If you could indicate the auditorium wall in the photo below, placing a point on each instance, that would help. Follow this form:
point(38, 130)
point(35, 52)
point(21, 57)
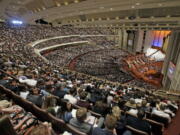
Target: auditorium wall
point(172, 57)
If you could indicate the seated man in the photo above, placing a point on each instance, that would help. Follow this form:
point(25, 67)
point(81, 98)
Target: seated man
point(82, 102)
point(110, 125)
point(161, 113)
point(81, 121)
point(138, 122)
point(135, 111)
point(131, 103)
point(71, 97)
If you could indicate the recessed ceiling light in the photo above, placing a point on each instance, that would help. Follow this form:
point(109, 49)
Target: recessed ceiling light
point(132, 6)
point(58, 4)
point(76, 1)
point(66, 3)
point(111, 9)
point(101, 7)
point(117, 18)
point(137, 3)
point(160, 4)
point(137, 17)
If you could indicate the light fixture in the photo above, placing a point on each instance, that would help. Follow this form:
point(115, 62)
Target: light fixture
point(66, 3)
point(111, 9)
point(16, 22)
point(132, 6)
point(76, 1)
point(137, 17)
point(160, 4)
point(152, 17)
point(137, 4)
point(58, 4)
point(117, 17)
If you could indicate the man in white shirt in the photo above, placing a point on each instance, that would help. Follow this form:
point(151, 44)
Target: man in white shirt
point(70, 96)
point(161, 114)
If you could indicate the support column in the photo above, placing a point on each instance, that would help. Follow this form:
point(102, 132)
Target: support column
point(148, 40)
point(120, 38)
point(138, 41)
point(125, 36)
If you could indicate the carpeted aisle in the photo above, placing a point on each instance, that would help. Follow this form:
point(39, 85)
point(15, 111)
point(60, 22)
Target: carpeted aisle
point(174, 127)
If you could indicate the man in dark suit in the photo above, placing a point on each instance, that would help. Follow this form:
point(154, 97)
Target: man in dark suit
point(82, 102)
point(138, 122)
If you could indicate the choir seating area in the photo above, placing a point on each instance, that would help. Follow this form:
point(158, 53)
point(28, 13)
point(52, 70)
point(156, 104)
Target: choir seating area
point(144, 68)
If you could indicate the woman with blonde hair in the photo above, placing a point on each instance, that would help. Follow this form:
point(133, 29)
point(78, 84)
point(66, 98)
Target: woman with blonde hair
point(121, 122)
point(116, 112)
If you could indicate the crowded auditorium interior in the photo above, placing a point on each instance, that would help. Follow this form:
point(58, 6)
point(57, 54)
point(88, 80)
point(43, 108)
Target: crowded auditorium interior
point(89, 67)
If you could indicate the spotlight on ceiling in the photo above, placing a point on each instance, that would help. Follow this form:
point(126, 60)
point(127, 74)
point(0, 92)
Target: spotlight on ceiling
point(16, 22)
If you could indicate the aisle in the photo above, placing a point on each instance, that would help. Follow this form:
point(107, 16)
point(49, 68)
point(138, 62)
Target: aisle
point(174, 127)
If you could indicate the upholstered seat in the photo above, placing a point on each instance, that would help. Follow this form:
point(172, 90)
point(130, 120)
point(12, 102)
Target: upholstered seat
point(136, 131)
point(74, 130)
point(156, 127)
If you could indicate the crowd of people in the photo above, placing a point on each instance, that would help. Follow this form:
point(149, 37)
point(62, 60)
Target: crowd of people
point(63, 56)
point(106, 64)
point(142, 84)
point(57, 90)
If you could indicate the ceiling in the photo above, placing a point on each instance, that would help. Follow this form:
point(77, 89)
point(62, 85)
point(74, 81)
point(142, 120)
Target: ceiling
point(94, 12)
